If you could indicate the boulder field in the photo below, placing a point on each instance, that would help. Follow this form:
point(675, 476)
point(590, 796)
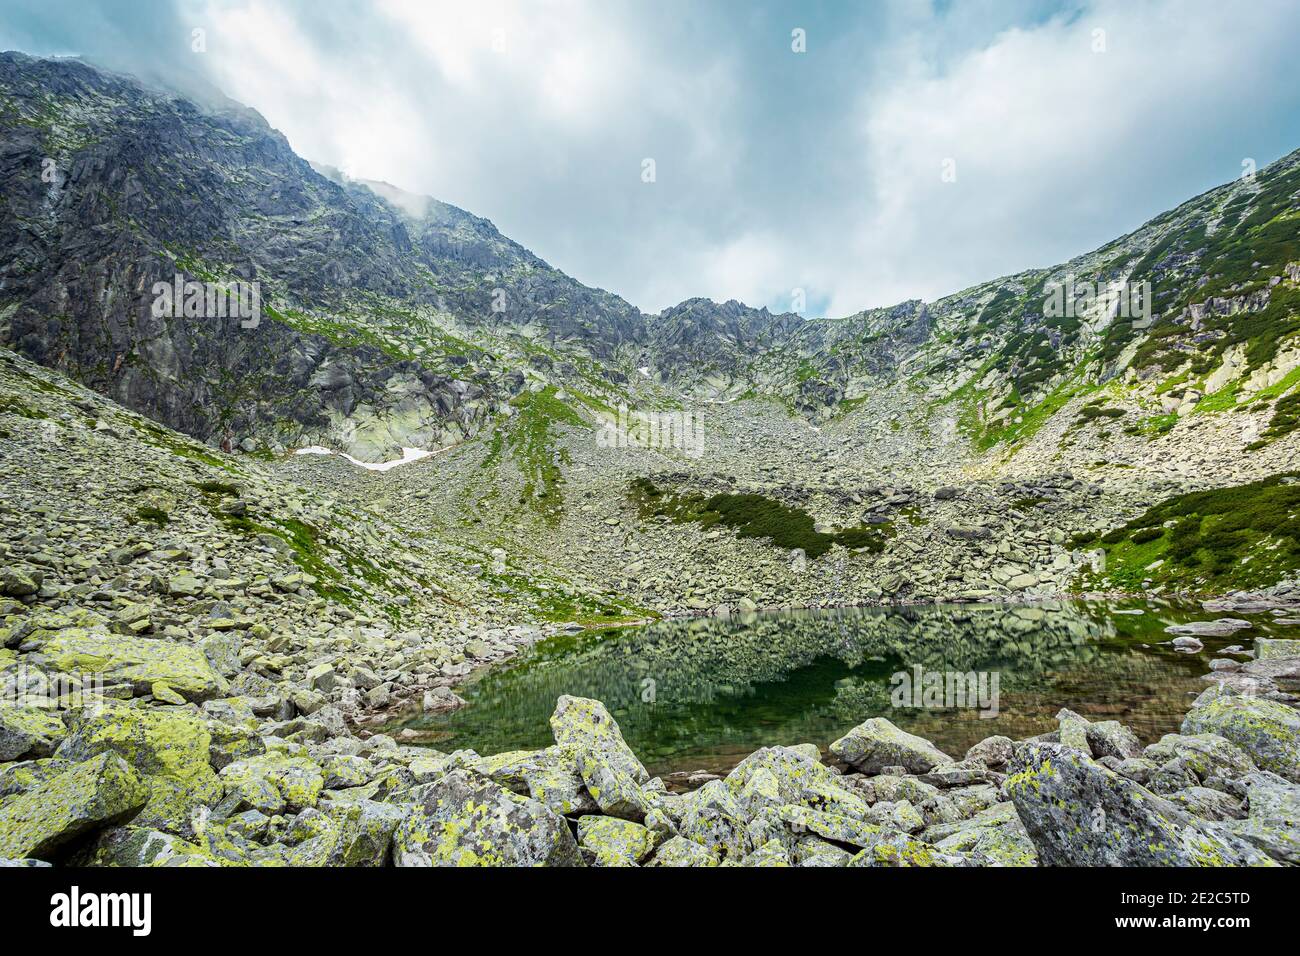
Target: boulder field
point(147, 782)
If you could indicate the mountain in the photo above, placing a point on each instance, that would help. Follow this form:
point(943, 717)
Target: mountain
point(391, 320)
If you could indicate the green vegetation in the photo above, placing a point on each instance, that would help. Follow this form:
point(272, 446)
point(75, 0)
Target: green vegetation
point(1209, 541)
point(756, 516)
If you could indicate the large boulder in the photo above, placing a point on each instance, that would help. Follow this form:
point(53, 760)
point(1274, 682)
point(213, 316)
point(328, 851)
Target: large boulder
point(97, 793)
point(274, 782)
point(138, 661)
point(545, 775)
point(581, 725)
point(588, 738)
point(1079, 813)
point(27, 732)
point(463, 819)
point(1269, 732)
point(167, 748)
point(615, 842)
point(876, 744)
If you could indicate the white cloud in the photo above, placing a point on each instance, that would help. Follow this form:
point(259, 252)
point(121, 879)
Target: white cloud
point(538, 116)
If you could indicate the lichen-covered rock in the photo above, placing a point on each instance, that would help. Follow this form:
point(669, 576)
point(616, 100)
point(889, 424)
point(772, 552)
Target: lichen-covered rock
point(1273, 819)
point(463, 819)
point(615, 842)
point(876, 743)
point(1267, 649)
point(168, 748)
point(1078, 813)
point(138, 661)
point(1269, 732)
point(273, 782)
point(100, 792)
point(830, 826)
point(1207, 756)
point(27, 732)
point(715, 819)
point(581, 725)
point(680, 851)
point(133, 846)
point(780, 776)
point(358, 834)
point(899, 850)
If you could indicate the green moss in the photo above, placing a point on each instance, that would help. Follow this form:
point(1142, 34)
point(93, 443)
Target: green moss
point(756, 516)
point(1209, 541)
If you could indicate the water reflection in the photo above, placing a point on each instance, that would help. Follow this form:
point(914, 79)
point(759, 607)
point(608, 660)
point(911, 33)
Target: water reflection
point(704, 692)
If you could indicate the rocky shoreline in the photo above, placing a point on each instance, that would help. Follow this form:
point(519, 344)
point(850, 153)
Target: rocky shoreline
point(202, 771)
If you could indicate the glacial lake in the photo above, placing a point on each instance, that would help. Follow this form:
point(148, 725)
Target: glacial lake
point(702, 693)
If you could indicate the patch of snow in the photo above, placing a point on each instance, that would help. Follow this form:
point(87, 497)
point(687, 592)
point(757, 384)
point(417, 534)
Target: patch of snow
point(408, 455)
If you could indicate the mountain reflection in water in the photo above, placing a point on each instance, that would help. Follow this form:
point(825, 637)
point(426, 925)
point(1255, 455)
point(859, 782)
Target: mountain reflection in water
point(702, 693)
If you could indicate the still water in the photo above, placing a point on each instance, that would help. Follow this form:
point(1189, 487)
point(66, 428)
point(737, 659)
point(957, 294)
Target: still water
point(702, 693)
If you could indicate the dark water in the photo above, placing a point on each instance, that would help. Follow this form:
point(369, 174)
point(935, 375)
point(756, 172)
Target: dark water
point(702, 693)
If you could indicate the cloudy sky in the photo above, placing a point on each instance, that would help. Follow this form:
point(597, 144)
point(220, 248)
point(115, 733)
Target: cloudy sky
point(912, 149)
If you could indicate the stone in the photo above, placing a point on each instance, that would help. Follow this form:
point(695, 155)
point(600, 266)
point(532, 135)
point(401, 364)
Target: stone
point(274, 782)
point(876, 743)
point(463, 819)
point(100, 792)
point(1078, 813)
point(169, 749)
point(1268, 732)
point(27, 732)
point(678, 851)
point(138, 661)
point(615, 842)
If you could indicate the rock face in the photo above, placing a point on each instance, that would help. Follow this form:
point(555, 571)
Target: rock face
point(876, 743)
point(1078, 813)
point(463, 821)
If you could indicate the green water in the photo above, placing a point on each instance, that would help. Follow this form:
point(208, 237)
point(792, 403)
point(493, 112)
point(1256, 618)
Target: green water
point(702, 693)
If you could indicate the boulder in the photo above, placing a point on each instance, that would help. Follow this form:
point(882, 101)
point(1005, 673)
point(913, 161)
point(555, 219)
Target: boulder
point(168, 748)
point(876, 743)
point(98, 793)
point(1078, 813)
point(274, 782)
point(138, 661)
point(463, 819)
point(1269, 732)
point(27, 732)
point(615, 842)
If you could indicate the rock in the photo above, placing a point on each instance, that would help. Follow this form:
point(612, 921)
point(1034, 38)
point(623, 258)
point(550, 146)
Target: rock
point(581, 725)
point(992, 752)
point(169, 749)
point(1267, 649)
point(679, 851)
point(441, 700)
point(1269, 732)
point(98, 793)
point(466, 820)
point(1189, 644)
point(1110, 738)
point(1078, 813)
point(876, 743)
point(1223, 627)
point(589, 737)
point(274, 782)
point(615, 842)
point(138, 661)
point(27, 732)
